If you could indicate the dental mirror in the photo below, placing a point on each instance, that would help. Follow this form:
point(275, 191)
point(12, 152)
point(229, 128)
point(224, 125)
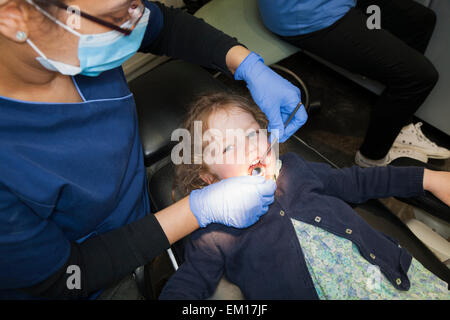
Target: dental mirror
point(256, 170)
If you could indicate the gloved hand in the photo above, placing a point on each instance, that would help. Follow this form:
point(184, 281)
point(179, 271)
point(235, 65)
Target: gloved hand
point(276, 96)
point(235, 202)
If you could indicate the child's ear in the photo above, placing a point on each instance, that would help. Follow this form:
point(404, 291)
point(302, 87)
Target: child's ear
point(208, 177)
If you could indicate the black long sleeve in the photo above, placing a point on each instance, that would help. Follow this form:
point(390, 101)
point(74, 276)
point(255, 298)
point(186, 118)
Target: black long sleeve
point(186, 37)
point(105, 259)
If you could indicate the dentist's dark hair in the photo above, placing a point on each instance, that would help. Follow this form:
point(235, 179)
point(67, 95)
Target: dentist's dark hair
point(47, 3)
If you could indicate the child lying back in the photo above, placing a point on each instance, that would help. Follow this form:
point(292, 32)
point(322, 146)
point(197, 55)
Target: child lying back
point(311, 244)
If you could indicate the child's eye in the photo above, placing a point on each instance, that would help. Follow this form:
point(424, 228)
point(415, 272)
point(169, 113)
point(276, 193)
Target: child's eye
point(252, 134)
point(229, 148)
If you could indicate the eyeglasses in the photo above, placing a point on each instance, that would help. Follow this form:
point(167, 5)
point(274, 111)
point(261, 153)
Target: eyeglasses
point(135, 11)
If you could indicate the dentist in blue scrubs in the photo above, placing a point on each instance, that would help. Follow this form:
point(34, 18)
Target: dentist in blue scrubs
point(73, 192)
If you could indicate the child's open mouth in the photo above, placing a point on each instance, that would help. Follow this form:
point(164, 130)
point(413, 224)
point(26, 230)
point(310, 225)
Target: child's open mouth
point(256, 169)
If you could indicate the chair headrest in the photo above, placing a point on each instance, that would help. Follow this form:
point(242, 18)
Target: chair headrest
point(162, 96)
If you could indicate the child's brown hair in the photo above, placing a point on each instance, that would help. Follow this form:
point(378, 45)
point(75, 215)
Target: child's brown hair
point(187, 176)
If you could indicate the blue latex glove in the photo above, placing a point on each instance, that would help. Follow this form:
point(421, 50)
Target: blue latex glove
point(235, 202)
point(276, 96)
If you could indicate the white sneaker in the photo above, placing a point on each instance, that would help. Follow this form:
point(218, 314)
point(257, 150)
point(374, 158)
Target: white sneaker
point(393, 154)
point(396, 152)
point(412, 137)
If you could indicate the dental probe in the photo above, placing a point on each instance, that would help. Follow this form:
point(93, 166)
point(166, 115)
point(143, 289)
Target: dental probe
point(257, 168)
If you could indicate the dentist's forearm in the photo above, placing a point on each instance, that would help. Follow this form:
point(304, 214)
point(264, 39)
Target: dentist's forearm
point(105, 258)
point(177, 221)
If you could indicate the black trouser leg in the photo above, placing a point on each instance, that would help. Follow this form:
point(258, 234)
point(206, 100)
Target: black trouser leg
point(406, 19)
point(381, 55)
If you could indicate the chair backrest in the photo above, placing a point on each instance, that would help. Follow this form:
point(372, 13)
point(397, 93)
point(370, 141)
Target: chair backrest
point(241, 19)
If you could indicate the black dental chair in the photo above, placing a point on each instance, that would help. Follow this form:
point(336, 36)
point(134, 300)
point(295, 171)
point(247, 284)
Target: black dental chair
point(170, 88)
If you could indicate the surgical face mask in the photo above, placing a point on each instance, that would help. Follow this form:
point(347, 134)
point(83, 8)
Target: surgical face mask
point(96, 52)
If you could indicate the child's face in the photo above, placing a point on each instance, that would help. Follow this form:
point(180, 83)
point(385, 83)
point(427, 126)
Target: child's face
point(238, 154)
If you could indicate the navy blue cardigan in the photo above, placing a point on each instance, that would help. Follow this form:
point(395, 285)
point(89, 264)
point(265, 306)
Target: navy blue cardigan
point(266, 260)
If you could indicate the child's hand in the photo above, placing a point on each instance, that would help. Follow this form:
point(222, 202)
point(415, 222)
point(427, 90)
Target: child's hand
point(438, 183)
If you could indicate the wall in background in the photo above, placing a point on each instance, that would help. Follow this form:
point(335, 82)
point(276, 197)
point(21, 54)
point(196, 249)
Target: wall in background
point(436, 109)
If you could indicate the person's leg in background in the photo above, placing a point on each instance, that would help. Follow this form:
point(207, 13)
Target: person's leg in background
point(414, 24)
point(406, 19)
point(383, 56)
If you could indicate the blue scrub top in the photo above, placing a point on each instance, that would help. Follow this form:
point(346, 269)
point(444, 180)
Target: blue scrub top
point(297, 17)
point(68, 172)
